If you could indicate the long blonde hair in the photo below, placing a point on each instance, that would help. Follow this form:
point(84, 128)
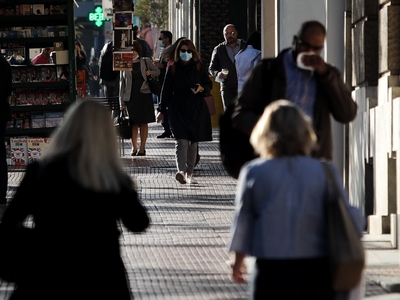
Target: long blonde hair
point(87, 138)
point(283, 130)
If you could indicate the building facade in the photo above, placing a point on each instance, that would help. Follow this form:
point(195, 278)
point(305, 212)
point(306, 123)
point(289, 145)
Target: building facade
point(362, 41)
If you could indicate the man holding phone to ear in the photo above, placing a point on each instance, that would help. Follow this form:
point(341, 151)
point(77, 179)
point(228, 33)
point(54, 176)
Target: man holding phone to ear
point(299, 74)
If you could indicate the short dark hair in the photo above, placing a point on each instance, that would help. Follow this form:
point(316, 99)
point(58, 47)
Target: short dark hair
point(137, 47)
point(311, 24)
point(167, 34)
point(254, 40)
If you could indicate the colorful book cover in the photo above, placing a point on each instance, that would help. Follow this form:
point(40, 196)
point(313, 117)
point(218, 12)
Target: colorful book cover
point(18, 75)
point(38, 9)
point(54, 119)
point(25, 9)
point(121, 5)
point(33, 74)
point(49, 73)
point(123, 19)
point(19, 149)
point(37, 121)
point(62, 73)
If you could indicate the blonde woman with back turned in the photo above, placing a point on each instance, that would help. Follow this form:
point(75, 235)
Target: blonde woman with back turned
point(280, 217)
point(83, 196)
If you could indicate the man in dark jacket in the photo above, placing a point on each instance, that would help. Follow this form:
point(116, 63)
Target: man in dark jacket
point(5, 92)
point(223, 57)
point(308, 81)
point(164, 41)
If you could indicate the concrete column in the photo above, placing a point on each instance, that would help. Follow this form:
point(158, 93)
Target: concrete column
point(334, 54)
point(269, 27)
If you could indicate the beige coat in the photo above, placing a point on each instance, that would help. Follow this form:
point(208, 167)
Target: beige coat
point(125, 81)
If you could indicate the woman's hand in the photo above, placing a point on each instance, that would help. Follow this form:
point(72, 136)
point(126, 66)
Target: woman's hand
point(148, 72)
point(123, 106)
point(239, 270)
point(199, 89)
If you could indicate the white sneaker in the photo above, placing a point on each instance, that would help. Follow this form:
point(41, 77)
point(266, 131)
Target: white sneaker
point(191, 180)
point(181, 177)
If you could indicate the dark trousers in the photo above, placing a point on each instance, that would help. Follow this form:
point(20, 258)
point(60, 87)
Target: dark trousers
point(112, 91)
point(292, 279)
point(229, 96)
point(165, 124)
point(3, 164)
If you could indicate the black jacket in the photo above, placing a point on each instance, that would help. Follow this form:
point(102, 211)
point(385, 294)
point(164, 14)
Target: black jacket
point(188, 113)
point(267, 83)
point(220, 60)
point(72, 236)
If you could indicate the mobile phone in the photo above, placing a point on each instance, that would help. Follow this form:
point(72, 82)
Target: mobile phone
point(194, 89)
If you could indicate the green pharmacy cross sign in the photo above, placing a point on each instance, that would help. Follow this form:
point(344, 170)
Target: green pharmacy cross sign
point(97, 16)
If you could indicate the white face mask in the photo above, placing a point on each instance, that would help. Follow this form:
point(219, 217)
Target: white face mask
point(300, 63)
point(185, 56)
point(160, 43)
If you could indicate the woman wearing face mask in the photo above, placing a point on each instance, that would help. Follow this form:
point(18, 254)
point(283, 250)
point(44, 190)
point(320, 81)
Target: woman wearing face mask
point(135, 95)
point(185, 85)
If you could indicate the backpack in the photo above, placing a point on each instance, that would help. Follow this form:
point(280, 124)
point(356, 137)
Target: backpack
point(106, 71)
point(234, 145)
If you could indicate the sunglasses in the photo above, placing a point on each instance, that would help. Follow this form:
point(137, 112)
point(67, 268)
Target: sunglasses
point(232, 33)
point(184, 51)
point(306, 45)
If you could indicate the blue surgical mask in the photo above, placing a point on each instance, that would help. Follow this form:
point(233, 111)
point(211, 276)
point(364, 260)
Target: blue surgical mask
point(136, 57)
point(185, 56)
point(160, 44)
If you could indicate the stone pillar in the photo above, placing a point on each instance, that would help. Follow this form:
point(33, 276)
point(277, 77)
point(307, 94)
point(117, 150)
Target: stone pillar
point(364, 82)
point(269, 25)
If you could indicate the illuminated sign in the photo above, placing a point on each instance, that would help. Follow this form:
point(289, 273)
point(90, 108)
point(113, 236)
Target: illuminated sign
point(97, 16)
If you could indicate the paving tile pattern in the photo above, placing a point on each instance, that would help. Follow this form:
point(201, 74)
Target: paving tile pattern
point(183, 253)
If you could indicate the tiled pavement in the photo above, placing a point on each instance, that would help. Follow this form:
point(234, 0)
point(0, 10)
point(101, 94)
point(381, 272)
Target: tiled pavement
point(183, 253)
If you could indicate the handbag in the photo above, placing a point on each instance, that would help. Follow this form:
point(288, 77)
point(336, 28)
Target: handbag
point(123, 125)
point(154, 83)
point(210, 103)
point(345, 250)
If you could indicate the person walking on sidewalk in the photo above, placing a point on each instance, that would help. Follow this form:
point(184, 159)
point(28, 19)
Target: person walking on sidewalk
point(94, 83)
point(185, 85)
point(314, 85)
point(108, 77)
point(280, 216)
point(5, 115)
point(84, 196)
point(135, 95)
point(223, 57)
point(165, 42)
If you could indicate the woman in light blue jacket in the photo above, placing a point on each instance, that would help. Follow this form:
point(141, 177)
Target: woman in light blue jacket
point(135, 95)
point(280, 217)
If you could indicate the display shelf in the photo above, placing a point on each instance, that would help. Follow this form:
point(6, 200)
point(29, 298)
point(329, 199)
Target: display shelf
point(37, 42)
point(37, 108)
point(34, 85)
point(54, 20)
point(40, 132)
point(33, 25)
